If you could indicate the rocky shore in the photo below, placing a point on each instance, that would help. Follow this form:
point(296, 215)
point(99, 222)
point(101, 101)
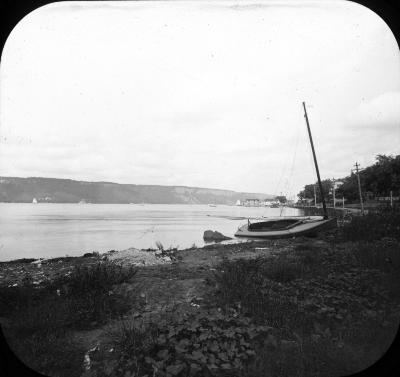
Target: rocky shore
point(306, 306)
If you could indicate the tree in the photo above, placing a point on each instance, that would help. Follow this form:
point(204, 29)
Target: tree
point(281, 198)
point(380, 178)
point(308, 192)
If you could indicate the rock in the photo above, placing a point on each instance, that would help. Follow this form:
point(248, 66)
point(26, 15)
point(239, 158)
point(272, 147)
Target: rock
point(93, 254)
point(210, 235)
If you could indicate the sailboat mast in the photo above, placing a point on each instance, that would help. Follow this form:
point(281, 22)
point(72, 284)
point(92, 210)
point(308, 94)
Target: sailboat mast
point(316, 163)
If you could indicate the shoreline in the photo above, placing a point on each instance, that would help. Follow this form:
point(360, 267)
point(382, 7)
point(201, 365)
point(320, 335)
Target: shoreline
point(93, 253)
point(328, 303)
point(14, 271)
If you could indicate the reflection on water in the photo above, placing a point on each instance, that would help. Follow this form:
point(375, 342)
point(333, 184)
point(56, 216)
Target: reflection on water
point(52, 230)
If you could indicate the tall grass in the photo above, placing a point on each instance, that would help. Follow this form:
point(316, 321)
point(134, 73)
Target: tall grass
point(318, 344)
point(373, 226)
point(253, 286)
point(41, 318)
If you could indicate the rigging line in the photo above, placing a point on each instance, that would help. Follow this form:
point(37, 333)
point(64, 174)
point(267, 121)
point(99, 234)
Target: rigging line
point(294, 142)
point(282, 173)
point(290, 186)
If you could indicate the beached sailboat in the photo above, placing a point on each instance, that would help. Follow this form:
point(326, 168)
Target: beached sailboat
point(283, 227)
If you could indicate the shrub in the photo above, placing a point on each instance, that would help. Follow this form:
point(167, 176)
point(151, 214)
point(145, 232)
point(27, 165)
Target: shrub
point(97, 278)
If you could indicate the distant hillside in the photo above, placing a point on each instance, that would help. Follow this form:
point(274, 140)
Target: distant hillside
point(53, 190)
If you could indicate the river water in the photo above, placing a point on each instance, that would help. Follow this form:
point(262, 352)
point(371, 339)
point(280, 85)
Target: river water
point(53, 230)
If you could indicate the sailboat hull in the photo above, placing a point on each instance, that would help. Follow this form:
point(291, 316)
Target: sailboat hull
point(285, 227)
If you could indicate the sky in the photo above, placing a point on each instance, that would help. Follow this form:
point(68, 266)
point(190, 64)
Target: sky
point(205, 94)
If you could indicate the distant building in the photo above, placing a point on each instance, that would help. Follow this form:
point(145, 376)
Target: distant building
point(34, 201)
point(252, 202)
point(270, 202)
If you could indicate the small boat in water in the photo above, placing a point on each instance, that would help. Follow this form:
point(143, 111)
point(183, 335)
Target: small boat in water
point(283, 227)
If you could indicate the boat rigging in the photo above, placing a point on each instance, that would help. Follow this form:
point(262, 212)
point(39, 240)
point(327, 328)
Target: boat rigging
point(294, 225)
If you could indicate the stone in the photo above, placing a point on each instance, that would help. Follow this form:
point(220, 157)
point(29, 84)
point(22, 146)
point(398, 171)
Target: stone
point(210, 235)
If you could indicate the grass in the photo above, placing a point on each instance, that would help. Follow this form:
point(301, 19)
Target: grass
point(197, 343)
point(384, 255)
point(329, 302)
point(253, 287)
point(373, 226)
point(42, 317)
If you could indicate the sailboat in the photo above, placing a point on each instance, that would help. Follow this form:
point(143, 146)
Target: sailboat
point(291, 226)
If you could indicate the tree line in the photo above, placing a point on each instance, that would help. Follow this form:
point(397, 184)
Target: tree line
point(377, 180)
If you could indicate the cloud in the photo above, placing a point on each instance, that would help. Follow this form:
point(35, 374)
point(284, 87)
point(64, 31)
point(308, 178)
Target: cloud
point(382, 111)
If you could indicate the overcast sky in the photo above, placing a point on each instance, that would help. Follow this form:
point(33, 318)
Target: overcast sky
point(202, 94)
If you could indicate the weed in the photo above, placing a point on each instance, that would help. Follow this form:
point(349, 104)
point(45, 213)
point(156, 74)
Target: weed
point(160, 246)
point(195, 344)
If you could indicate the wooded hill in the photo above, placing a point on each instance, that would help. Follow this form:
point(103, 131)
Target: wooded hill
point(53, 190)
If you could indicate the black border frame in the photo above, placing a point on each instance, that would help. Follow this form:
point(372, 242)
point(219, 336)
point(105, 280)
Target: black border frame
point(12, 11)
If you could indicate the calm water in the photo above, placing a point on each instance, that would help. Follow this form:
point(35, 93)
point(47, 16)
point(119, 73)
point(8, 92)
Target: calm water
point(53, 230)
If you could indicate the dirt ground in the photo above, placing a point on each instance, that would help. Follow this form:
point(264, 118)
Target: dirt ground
point(183, 284)
point(180, 285)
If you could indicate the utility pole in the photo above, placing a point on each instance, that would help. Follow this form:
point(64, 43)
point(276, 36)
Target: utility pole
point(315, 198)
point(359, 188)
point(333, 189)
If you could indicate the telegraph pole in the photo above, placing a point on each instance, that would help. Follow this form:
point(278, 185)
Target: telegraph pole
point(333, 189)
point(315, 198)
point(359, 188)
